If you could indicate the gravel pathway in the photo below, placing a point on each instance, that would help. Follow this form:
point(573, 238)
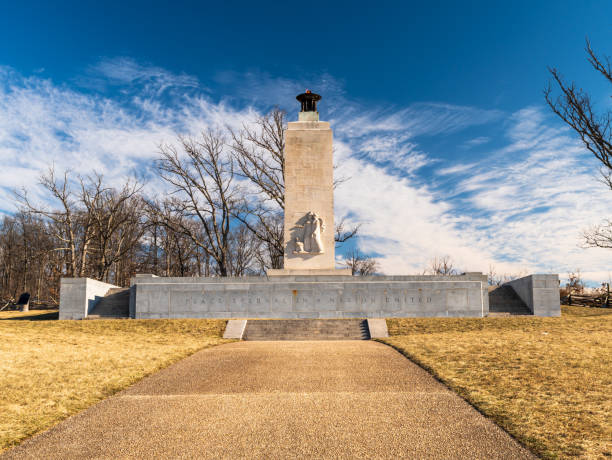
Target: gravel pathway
point(352, 399)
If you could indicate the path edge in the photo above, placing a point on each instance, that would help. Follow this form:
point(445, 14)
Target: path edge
point(498, 422)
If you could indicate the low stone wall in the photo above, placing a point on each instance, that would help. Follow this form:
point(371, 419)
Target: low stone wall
point(78, 296)
point(311, 297)
point(540, 293)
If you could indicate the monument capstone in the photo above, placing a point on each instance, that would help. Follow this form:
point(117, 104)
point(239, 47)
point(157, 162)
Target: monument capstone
point(309, 285)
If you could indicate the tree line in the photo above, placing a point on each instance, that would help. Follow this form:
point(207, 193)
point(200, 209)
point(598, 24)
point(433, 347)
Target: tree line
point(221, 214)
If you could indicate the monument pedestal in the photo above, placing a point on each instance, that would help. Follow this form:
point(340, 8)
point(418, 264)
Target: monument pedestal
point(314, 297)
point(309, 197)
point(296, 296)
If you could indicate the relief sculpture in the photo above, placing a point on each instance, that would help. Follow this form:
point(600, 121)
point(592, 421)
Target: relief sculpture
point(309, 240)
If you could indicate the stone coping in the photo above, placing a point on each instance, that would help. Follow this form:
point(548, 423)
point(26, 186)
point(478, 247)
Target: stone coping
point(308, 279)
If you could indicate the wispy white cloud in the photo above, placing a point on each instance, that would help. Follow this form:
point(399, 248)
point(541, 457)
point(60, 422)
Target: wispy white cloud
point(395, 150)
point(42, 124)
point(455, 169)
point(123, 71)
point(476, 141)
point(521, 211)
point(416, 120)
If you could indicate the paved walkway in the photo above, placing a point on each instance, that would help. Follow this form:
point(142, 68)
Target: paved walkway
point(280, 400)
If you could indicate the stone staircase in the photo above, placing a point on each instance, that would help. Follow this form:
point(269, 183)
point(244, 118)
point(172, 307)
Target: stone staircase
point(115, 304)
point(504, 301)
point(307, 329)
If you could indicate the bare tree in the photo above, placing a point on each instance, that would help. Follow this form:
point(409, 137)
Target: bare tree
point(258, 150)
point(66, 219)
point(441, 266)
point(360, 264)
point(90, 195)
point(270, 251)
point(492, 278)
point(575, 284)
point(172, 253)
point(343, 234)
point(599, 236)
point(244, 247)
point(574, 106)
point(27, 258)
point(497, 279)
point(113, 219)
point(106, 233)
point(204, 190)
point(93, 228)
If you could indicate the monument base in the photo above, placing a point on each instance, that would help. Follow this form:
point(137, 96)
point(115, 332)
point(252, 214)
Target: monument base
point(310, 272)
point(310, 296)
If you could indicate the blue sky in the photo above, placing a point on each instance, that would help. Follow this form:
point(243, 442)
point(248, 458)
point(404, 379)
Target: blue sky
point(437, 109)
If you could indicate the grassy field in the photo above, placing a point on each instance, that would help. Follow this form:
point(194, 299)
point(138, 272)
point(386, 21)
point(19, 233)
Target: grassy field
point(52, 369)
point(547, 381)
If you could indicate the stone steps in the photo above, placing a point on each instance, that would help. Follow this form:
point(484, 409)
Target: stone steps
point(307, 329)
point(92, 317)
point(115, 304)
point(504, 301)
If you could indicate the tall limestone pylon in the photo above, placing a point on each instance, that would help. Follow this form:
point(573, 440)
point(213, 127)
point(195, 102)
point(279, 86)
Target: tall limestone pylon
point(309, 194)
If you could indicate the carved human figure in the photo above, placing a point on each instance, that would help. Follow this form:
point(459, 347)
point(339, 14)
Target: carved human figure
point(311, 241)
point(317, 226)
point(307, 233)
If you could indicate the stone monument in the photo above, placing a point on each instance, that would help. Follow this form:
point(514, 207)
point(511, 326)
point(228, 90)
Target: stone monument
point(309, 285)
point(309, 195)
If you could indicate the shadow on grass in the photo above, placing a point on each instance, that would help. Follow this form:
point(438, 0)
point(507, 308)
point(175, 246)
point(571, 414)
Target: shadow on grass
point(34, 316)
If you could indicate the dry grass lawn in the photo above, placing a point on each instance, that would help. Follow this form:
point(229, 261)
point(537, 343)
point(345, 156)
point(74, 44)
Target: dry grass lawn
point(51, 369)
point(547, 381)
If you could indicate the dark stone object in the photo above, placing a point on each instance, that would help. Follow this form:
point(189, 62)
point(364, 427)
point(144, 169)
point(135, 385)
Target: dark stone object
point(24, 302)
point(308, 100)
point(24, 299)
